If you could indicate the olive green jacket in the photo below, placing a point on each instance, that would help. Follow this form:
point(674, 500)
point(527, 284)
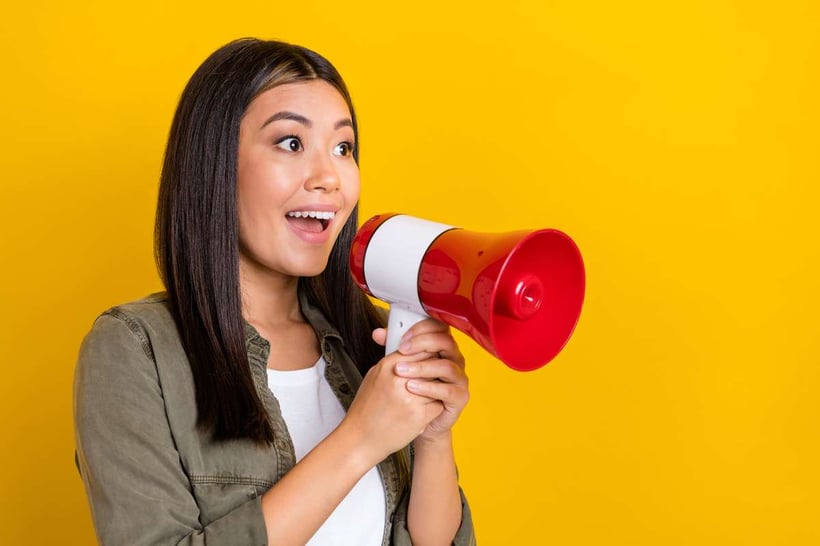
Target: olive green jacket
point(152, 476)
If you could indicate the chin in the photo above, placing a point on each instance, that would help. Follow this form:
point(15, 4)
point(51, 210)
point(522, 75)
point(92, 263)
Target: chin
point(309, 270)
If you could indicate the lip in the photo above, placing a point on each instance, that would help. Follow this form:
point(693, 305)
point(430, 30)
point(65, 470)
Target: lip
point(310, 236)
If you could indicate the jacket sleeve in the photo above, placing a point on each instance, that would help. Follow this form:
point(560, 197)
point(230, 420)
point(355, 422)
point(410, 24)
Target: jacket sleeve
point(401, 536)
point(136, 487)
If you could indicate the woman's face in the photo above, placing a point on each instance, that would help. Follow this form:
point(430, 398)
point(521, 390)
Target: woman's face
point(297, 181)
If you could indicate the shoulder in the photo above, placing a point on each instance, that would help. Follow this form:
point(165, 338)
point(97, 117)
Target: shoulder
point(147, 319)
point(140, 324)
point(131, 347)
point(152, 310)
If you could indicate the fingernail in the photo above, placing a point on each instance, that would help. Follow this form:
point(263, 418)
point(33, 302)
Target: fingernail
point(408, 335)
point(414, 385)
point(402, 367)
point(404, 347)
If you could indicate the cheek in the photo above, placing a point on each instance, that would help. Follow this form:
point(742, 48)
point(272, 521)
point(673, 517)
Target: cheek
point(352, 187)
point(246, 198)
point(263, 189)
point(257, 209)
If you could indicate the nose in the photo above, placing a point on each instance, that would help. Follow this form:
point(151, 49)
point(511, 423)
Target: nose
point(322, 175)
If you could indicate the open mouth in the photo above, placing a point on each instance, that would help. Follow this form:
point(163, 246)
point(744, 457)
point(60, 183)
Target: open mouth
point(312, 221)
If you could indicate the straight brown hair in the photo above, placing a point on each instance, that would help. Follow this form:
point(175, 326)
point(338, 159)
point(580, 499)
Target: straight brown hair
point(197, 234)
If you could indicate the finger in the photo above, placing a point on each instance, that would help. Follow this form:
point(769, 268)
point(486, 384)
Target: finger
point(440, 343)
point(433, 369)
point(432, 410)
point(416, 357)
point(380, 336)
point(393, 358)
point(450, 395)
point(426, 326)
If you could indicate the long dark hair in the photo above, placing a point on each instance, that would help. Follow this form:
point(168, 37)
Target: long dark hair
point(197, 234)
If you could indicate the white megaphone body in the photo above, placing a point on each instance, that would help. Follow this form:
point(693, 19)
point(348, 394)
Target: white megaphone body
point(519, 294)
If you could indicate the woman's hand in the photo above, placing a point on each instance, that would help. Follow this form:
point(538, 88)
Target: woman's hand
point(432, 364)
point(385, 414)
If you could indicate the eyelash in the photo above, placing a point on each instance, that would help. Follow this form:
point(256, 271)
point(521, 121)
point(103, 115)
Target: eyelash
point(279, 143)
point(350, 148)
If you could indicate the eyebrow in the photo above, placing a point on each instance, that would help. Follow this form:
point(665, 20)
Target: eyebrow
point(343, 123)
point(287, 115)
point(298, 118)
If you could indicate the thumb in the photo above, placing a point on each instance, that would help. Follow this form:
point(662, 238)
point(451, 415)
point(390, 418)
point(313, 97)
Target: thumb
point(380, 336)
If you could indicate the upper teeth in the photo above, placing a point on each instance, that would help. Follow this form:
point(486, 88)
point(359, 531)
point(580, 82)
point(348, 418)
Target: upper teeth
point(312, 214)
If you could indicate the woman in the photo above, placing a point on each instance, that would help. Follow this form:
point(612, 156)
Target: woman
point(251, 402)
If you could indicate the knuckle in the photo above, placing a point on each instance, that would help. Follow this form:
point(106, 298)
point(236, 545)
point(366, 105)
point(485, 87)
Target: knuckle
point(400, 386)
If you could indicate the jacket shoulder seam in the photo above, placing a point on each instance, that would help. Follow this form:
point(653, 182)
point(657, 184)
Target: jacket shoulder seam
point(135, 327)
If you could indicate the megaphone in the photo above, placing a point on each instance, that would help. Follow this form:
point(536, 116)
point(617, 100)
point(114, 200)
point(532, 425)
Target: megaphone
point(518, 294)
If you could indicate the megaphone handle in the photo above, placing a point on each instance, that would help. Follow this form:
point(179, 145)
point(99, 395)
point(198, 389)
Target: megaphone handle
point(398, 322)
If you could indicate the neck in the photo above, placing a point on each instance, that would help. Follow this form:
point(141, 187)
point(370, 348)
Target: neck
point(268, 299)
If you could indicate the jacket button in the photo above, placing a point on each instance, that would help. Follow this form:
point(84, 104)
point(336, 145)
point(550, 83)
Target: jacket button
point(328, 351)
point(345, 388)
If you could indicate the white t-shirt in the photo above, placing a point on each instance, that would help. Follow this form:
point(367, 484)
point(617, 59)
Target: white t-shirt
point(311, 412)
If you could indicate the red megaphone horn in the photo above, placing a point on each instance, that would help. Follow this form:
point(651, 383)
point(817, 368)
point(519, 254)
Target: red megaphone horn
point(518, 294)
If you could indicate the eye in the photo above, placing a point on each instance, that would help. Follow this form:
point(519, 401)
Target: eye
point(343, 149)
point(290, 143)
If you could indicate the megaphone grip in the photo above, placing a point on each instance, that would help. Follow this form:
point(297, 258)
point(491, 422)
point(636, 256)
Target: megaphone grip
point(399, 321)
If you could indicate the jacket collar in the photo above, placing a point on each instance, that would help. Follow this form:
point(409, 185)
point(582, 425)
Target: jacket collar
point(317, 319)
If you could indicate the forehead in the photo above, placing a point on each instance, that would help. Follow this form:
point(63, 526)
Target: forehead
point(313, 99)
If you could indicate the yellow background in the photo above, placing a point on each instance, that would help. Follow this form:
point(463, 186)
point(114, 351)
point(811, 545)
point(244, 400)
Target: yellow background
point(677, 142)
